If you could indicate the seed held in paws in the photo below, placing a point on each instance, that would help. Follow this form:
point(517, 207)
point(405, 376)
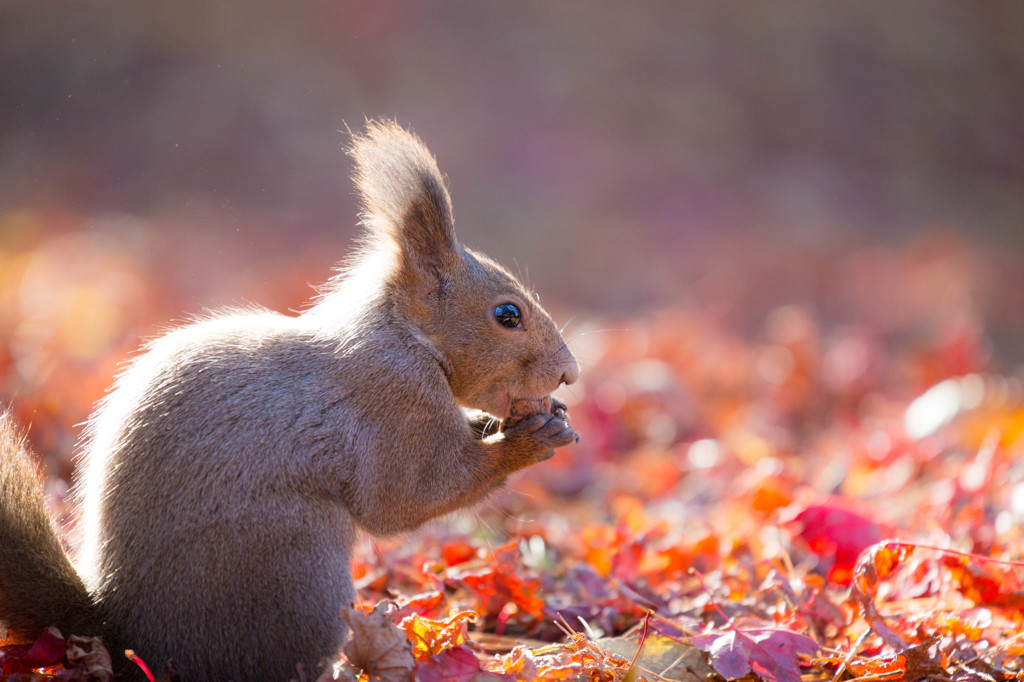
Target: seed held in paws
point(524, 408)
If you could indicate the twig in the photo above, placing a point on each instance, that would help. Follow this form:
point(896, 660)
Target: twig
point(640, 646)
point(849, 657)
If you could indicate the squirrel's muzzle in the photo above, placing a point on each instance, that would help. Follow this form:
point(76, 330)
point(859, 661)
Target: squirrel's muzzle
point(570, 368)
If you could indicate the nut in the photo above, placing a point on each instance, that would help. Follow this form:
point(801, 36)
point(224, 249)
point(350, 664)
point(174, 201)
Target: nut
point(524, 408)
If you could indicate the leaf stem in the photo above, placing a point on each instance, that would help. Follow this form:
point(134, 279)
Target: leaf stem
point(134, 658)
point(954, 552)
point(640, 646)
point(700, 578)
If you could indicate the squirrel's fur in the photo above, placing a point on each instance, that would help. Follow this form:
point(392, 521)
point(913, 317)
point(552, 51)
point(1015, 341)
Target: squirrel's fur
point(225, 474)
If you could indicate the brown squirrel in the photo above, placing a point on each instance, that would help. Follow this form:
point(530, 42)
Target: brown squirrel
point(226, 473)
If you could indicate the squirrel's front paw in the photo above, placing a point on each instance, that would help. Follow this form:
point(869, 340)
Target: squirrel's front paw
point(540, 434)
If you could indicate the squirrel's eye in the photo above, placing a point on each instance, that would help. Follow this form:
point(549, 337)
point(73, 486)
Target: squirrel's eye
point(508, 315)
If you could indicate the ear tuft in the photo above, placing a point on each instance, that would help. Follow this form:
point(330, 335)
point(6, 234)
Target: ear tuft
point(403, 193)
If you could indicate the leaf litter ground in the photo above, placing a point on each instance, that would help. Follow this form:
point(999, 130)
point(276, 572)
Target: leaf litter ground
point(802, 502)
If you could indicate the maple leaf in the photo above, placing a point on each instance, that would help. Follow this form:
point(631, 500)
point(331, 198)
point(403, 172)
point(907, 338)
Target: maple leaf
point(458, 551)
point(47, 650)
point(876, 563)
point(92, 656)
point(993, 584)
point(917, 662)
point(499, 584)
point(520, 663)
point(420, 604)
point(376, 646)
point(771, 653)
point(456, 664)
point(431, 637)
point(832, 530)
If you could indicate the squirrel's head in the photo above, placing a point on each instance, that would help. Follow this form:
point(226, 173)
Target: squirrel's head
point(497, 342)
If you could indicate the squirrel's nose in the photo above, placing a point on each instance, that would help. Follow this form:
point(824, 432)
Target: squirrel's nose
point(572, 369)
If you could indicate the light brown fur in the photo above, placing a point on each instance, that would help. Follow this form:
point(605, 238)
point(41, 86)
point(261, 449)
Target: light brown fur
point(226, 473)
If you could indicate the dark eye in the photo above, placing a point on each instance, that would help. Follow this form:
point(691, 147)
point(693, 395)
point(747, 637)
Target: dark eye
point(508, 315)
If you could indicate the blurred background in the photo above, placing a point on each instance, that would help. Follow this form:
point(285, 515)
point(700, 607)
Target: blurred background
point(839, 164)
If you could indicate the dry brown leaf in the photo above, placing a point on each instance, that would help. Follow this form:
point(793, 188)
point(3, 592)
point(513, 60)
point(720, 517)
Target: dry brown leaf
point(90, 652)
point(376, 646)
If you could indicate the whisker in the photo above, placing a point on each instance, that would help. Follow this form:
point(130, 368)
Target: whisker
point(565, 343)
point(557, 350)
point(480, 518)
point(502, 512)
point(568, 389)
point(521, 493)
point(600, 331)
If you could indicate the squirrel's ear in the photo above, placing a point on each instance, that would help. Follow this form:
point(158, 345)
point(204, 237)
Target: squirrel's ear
point(404, 195)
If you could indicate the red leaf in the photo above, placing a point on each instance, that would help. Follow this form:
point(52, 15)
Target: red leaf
point(831, 530)
point(500, 583)
point(878, 562)
point(457, 664)
point(458, 552)
point(422, 604)
point(771, 653)
point(46, 651)
point(991, 584)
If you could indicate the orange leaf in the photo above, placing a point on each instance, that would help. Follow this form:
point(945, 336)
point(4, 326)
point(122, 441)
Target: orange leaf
point(430, 637)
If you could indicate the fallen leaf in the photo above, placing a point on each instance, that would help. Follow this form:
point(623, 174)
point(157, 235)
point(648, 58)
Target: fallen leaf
point(771, 653)
point(90, 653)
point(376, 646)
point(430, 637)
point(520, 663)
point(831, 530)
point(456, 664)
point(47, 650)
point(669, 658)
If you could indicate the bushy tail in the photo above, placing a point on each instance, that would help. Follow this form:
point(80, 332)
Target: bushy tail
point(38, 585)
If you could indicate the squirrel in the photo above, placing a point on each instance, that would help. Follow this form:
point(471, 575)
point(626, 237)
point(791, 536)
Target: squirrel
point(225, 474)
